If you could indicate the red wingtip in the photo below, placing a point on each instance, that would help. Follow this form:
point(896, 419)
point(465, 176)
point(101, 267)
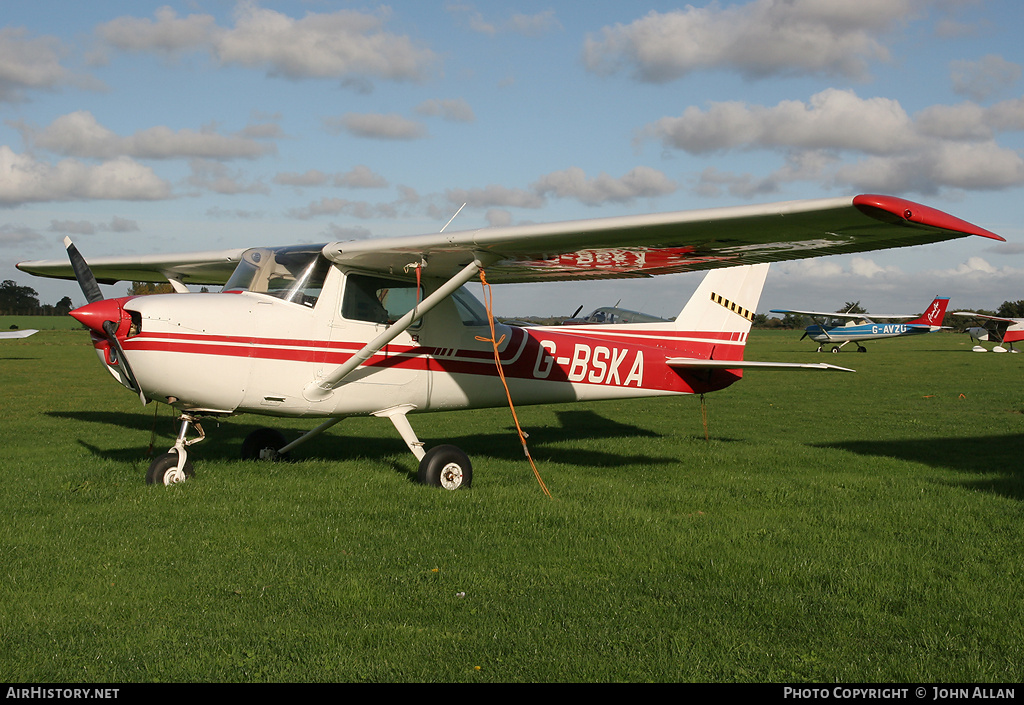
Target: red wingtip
point(924, 215)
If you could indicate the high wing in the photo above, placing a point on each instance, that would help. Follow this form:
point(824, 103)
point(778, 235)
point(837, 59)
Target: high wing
point(971, 314)
point(605, 248)
point(858, 316)
point(210, 267)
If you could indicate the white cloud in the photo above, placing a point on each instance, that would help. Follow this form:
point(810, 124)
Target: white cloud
point(360, 176)
point(571, 183)
point(343, 44)
point(840, 138)
point(984, 78)
point(863, 267)
point(29, 64)
point(640, 182)
point(377, 126)
point(757, 39)
point(494, 196)
point(23, 179)
point(885, 289)
point(78, 134)
point(85, 227)
point(833, 119)
point(519, 23)
point(214, 176)
point(167, 34)
point(967, 166)
point(457, 110)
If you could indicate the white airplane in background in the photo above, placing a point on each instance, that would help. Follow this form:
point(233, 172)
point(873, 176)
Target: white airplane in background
point(843, 328)
point(995, 329)
point(614, 314)
point(18, 333)
point(386, 327)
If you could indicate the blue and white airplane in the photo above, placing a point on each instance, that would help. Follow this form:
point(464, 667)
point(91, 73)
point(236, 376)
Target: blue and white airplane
point(839, 329)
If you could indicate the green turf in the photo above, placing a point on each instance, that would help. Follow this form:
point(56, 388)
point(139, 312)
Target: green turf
point(39, 323)
point(856, 528)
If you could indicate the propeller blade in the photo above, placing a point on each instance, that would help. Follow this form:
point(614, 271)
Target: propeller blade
point(577, 312)
point(83, 274)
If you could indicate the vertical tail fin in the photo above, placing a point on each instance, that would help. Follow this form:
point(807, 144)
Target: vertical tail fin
point(934, 314)
point(725, 301)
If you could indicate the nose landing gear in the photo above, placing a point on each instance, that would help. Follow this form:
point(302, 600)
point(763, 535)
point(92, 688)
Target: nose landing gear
point(174, 466)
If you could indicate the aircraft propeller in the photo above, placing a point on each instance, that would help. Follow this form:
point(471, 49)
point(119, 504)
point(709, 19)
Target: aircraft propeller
point(101, 315)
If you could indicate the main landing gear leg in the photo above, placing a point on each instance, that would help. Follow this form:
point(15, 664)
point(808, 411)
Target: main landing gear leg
point(442, 466)
point(174, 466)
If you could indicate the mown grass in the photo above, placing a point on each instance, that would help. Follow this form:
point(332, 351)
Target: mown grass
point(39, 322)
point(833, 527)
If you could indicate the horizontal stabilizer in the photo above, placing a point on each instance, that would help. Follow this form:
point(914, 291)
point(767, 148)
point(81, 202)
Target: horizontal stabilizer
point(697, 363)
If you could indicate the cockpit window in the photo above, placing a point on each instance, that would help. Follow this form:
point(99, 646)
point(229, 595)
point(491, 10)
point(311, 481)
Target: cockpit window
point(293, 274)
point(381, 300)
point(376, 299)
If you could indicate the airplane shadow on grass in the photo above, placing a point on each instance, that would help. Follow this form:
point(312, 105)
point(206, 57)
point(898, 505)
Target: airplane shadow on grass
point(993, 460)
point(224, 441)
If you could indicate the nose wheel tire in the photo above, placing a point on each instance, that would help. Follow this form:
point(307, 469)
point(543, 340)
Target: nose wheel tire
point(164, 470)
point(447, 467)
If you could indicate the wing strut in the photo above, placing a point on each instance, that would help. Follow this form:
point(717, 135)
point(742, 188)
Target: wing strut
point(321, 389)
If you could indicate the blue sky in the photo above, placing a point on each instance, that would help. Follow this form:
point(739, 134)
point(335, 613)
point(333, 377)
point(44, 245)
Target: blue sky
point(138, 127)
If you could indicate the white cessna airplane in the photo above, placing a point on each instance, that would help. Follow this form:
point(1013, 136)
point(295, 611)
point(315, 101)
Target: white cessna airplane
point(385, 327)
point(995, 329)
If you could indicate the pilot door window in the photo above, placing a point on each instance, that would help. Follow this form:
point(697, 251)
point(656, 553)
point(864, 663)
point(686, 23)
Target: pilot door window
point(378, 300)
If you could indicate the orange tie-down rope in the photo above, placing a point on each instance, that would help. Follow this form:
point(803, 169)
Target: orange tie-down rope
point(488, 299)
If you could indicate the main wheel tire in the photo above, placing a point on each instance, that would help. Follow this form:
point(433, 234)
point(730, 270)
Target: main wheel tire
point(445, 466)
point(263, 444)
point(835, 349)
point(164, 470)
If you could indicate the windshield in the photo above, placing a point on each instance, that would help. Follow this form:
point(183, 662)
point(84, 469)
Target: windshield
point(293, 274)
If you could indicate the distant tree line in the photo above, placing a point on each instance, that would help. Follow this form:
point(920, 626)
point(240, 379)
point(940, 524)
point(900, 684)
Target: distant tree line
point(24, 301)
point(18, 300)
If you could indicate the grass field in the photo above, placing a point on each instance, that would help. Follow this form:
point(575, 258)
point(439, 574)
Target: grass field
point(39, 322)
point(861, 527)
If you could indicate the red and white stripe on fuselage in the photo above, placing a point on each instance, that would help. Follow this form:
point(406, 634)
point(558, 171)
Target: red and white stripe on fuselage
point(632, 358)
point(609, 361)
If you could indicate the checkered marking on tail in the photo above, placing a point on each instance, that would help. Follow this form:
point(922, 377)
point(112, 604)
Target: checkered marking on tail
point(732, 306)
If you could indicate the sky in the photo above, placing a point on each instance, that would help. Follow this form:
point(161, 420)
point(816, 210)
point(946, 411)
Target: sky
point(162, 127)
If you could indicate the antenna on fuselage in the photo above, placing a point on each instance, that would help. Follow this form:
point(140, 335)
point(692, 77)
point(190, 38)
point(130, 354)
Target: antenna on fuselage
point(453, 217)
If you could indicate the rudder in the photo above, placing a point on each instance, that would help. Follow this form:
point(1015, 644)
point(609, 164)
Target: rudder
point(725, 301)
point(934, 314)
